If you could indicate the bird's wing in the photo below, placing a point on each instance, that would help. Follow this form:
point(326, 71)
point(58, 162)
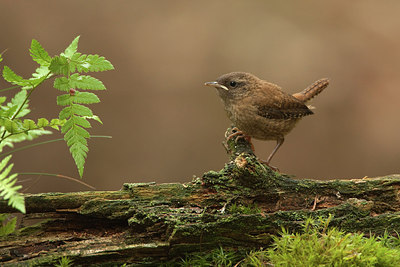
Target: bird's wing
point(281, 106)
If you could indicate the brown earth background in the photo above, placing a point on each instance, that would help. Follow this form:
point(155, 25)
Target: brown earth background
point(167, 126)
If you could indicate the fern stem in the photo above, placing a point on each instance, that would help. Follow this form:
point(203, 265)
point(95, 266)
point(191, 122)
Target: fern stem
point(45, 142)
point(9, 88)
point(27, 97)
point(59, 176)
point(11, 134)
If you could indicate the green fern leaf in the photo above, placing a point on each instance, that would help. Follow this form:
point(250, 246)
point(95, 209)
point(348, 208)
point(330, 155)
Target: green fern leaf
point(85, 82)
point(13, 78)
point(9, 111)
point(74, 133)
point(64, 100)
point(85, 98)
point(76, 140)
point(97, 63)
point(77, 81)
point(72, 48)
point(27, 129)
point(38, 54)
point(8, 227)
point(40, 75)
point(79, 156)
point(94, 117)
point(65, 113)
point(77, 60)
point(81, 132)
point(29, 124)
point(82, 122)
point(59, 65)
point(75, 120)
point(42, 122)
point(10, 125)
point(75, 109)
point(81, 110)
point(7, 189)
point(55, 123)
point(17, 101)
point(87, 63)
point(62, 83)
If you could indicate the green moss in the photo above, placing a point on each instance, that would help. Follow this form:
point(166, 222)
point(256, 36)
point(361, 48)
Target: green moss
point(244, 209)
point(317, 244)
point(216, 257)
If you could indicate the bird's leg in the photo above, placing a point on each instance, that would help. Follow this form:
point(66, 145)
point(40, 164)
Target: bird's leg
point(279, 142)
point(239, 134)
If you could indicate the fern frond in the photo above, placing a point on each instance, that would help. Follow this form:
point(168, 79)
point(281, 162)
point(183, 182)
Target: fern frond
point(7, 189)
point(11, 77)
point(77, 115)
point(38, 54)
point(72, 48)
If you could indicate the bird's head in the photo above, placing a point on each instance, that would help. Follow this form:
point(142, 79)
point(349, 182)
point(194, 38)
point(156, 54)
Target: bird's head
point(234, 85)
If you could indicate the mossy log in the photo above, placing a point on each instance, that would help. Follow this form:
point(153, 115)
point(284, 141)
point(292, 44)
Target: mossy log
point(241, 207)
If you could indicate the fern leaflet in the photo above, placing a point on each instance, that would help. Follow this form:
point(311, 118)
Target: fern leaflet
point(7, 189)
point(7, 226)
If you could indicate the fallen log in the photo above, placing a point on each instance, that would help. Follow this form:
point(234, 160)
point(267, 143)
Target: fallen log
point(241, 207)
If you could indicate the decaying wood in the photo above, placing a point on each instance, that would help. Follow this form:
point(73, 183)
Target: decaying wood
point(240, 206)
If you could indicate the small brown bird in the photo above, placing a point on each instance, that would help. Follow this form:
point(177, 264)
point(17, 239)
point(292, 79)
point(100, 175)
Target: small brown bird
point(261, 109)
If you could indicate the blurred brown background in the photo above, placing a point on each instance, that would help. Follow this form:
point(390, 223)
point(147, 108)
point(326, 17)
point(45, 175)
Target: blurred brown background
point(167, 126)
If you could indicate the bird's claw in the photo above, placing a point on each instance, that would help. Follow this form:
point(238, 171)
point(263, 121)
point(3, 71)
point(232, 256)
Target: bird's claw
point(270, 166)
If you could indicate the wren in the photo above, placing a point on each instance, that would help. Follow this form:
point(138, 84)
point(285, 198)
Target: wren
point(260, 109)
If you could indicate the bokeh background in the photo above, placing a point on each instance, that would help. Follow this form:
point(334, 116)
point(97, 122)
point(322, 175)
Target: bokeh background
point(167, 126)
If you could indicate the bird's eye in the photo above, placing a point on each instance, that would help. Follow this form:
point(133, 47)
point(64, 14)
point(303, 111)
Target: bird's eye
point(233, 83)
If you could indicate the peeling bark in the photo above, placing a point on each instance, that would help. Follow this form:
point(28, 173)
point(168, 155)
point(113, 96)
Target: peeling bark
point(240, 206)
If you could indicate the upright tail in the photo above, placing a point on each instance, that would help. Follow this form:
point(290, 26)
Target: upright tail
point(312, 90)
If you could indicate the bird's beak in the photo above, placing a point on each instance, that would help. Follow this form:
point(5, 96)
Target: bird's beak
point(216, 85)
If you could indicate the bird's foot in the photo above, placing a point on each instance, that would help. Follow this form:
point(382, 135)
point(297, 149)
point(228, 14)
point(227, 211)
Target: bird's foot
point(270, 166)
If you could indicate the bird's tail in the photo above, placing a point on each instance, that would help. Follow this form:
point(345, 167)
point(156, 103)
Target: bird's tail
point(312, 90)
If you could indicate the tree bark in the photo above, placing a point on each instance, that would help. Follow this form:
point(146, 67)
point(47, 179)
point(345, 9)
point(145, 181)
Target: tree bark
point(241, 206)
